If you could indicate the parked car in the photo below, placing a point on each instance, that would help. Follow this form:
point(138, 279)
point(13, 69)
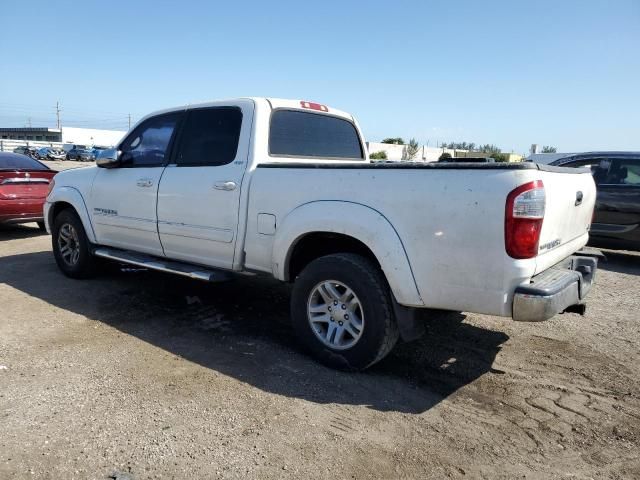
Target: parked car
point(24, 183)
point(80, 153)
point(50, 153)
point(285, 188)
point(616, 222)
point(97, 149)
point(27, 150)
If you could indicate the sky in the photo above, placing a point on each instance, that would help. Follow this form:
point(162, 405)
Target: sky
point(510, 73)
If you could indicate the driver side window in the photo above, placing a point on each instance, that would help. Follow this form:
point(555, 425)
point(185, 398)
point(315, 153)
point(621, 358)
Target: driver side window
point(147, 145)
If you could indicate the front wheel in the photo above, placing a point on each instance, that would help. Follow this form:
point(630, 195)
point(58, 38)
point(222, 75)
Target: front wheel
point(342, 311)
point(71, 247)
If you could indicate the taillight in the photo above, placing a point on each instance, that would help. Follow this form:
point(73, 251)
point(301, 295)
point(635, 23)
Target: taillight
point(52, 183)
point(523, 219)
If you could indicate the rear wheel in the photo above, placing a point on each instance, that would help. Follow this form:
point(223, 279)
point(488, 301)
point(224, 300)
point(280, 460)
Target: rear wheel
point(342, 312)
point(71, 247)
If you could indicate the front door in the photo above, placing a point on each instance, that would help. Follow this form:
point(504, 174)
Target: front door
point(199, 194)
point(123, 199)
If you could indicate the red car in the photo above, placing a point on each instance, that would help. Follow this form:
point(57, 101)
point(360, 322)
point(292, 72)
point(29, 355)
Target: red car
point(24, 184)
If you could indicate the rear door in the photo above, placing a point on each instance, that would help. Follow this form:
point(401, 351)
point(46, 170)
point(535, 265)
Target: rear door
point(199, 195)
point(123, 199)
point(619, 200)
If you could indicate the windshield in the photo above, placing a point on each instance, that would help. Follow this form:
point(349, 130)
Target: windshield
point(14, 161)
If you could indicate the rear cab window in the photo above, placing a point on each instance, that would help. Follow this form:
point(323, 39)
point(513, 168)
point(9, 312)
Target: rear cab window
point(298, 134)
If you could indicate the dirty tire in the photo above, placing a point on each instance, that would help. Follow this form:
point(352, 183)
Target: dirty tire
point(380, 332)
point(85, 266)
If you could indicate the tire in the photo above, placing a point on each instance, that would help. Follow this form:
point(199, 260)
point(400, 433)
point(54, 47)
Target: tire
point(42, 227)
point(378, 328)
point(68, 231)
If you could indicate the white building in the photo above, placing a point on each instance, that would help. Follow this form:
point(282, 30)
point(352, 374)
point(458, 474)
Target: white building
point(90, 136)
point(65, 135)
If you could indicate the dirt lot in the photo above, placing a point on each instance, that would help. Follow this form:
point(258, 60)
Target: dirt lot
point(138, 375)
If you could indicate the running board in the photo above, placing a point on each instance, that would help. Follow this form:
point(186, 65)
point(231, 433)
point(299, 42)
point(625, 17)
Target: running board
point(162, 265)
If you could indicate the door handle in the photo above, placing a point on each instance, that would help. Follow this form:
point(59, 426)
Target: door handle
point(144, 182)
point(228, 185)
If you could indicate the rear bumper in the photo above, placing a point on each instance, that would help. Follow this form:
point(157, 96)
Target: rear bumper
point(561, 287)
point(21, 210)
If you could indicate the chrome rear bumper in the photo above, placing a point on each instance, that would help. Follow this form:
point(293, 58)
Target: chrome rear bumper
point(561, 287)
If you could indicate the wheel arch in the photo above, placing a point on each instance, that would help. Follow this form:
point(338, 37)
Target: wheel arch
point(313, 230)
point(69, 197)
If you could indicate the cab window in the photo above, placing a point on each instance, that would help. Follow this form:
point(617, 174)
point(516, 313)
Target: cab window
point(309, 135)
point(623, 172)
point(598, 166)
point(210, 137)
point(148, 144)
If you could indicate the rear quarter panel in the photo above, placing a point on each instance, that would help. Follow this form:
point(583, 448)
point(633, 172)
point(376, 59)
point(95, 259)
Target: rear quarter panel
point(450, 222)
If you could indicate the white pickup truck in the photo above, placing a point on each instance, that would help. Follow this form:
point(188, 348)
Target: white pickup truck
point(286, 188)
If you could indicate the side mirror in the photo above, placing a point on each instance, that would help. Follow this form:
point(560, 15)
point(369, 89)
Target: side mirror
point(109, 158)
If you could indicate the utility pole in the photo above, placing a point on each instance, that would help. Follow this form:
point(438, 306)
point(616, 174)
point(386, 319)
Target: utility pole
point(29, 121)
point(58, 113)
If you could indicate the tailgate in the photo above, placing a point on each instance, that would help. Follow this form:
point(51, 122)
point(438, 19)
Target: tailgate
point(570, 198)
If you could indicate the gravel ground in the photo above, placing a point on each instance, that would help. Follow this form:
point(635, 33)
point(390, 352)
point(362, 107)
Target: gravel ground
point(136, 375)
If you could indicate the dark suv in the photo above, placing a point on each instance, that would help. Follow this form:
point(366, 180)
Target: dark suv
point(616, 222)
point(80, 153)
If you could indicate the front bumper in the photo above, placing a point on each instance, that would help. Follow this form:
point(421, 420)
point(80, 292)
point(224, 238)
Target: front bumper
point(561, 287)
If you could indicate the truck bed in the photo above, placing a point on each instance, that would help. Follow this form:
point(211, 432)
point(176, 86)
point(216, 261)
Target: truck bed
point(451, 224)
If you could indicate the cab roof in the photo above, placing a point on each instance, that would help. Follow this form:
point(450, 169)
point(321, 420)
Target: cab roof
point(274, 103)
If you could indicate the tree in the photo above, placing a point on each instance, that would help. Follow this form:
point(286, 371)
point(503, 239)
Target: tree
point(549, 149)
point(382, 155)
point(445, 157)
point(490, 149)
point(499, 157)
point(394, 140)
point(411, 150)
point(486, 148)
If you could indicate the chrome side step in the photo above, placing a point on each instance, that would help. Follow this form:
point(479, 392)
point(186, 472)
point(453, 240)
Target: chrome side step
point(162, 265)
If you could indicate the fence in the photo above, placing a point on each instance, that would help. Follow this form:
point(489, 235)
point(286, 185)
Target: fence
point(10, 145)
